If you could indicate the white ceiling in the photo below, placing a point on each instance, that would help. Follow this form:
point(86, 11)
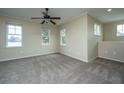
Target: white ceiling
point(65, 13)
point(104, 16)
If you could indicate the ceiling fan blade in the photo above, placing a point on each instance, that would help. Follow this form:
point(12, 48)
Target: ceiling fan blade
point(43, 22)
point(52, 22)
point(45, 13)
point(55, 18)
point(36, 18)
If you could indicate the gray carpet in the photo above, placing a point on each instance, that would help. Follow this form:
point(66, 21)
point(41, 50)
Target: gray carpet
point(60, 69)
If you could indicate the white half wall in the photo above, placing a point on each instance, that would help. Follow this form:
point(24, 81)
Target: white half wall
point(113, 50)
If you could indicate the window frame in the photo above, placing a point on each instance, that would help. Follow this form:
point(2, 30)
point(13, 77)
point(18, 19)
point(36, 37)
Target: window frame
point(117, 30)
point(49, 32)
point(96, 28)
point(61, 43)
point(7, 33)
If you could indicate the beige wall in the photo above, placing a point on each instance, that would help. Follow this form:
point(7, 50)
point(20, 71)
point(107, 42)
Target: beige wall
point(113, 50)
point(31, 40)
point(110, 30)
point(92, 39)
point(81, 41)
point(76, 38)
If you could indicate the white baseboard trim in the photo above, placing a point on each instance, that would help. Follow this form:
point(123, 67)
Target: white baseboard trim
point(112, 59)
point(2, 60)
point(83, 60)
point(92, 59)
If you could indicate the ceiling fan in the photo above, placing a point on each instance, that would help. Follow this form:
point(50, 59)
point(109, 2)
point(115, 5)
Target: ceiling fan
point(46, 17)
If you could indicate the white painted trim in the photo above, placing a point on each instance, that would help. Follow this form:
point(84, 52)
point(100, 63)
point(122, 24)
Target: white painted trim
point(2, 60)
point(112, 59)
point(92, 59)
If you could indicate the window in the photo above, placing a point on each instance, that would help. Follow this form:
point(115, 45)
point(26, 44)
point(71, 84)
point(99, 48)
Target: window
point(120, 30)
point(97, 30)
point(46, 37)
point(63, 37)
point(14, 35)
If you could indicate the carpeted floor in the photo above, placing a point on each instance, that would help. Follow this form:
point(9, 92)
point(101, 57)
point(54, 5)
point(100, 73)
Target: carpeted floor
point(60, 69)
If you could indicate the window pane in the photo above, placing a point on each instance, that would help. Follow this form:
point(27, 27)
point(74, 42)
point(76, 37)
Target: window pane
point(18, 27)
point(120, 30)
point(63, 37)
point(18, 31)
point(46, 37)
point(63, 40)
point(11, 31)
point(119, 27)
point(14, 38)
point(11, 26)
point(97, 29)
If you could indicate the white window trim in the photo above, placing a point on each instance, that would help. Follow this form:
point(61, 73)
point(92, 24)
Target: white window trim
point(48, 44)
point(62, 44)
point(6, 32)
